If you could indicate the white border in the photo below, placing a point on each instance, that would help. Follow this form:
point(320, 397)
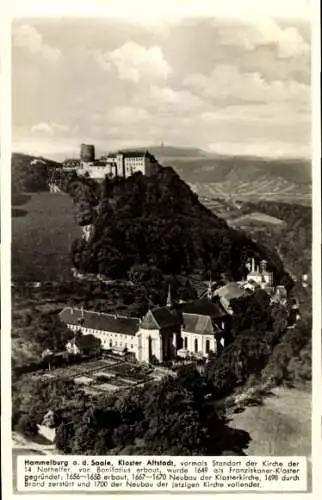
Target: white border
point(146, 10)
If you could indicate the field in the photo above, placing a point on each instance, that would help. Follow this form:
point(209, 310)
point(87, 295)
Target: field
point(256, 219)
point(43, 230)
point(261, 189)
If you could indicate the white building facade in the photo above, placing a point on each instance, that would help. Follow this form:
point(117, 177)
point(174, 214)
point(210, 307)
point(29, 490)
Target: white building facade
point(161, 334)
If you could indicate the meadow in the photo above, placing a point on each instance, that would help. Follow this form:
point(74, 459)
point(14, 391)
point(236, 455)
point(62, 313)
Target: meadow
point(43, 230)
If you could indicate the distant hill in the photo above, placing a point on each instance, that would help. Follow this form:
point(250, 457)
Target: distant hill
point(221, 169)
point(212, 175)
point(247, 177)
point(31, 173)
point(164, 152)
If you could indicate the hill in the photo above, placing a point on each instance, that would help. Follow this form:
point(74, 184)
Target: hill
point(30, 173)
point(168, 152)
point(247, 177)
point(213, 175)
point(196, 164)
point(159, 222)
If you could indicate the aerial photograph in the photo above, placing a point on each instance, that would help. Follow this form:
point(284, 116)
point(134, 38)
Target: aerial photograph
point(161, 237)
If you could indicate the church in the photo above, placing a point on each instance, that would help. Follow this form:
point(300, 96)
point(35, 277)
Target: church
point(188, 329)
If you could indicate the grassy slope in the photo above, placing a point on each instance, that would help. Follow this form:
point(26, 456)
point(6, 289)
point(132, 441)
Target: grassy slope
point(41, 239)
point(281, 426)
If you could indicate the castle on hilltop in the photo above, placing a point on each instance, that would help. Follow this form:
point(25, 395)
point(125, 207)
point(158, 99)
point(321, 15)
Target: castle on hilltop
point(122, 163)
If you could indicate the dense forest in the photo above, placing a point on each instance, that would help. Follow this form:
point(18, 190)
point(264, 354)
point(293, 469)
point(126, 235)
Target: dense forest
point(171, 417)
point(159, 222)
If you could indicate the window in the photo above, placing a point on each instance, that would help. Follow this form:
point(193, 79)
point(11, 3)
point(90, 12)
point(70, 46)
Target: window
point(111, 343)
point(185, 343)
point(207, 346)
point(196, 345)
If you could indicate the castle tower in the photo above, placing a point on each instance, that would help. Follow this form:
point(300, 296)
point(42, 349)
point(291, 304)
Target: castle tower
point(169, 298)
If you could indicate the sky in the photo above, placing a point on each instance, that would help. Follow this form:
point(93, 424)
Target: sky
point(235, 87)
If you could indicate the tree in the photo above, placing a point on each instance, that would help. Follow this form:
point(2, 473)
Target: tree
point(27, 425)
point(46, 355)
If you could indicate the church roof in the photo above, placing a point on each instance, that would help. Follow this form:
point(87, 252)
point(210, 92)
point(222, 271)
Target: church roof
point(204, 307)
point(160, 317)
point(196, 323)
point(231, 291)
point(100, 321)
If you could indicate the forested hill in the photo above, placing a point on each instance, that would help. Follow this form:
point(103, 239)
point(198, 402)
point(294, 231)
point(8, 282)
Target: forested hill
point(30, 173)
point(158, 221)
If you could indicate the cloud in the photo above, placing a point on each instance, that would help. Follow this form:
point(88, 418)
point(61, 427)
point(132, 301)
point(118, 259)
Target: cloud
point(261, 114)
point(287, 40)
point(49, 128)
point(127, 114)
point(268, 149)
point(134, 62)
point(28, 37)
point(42, 127)
point(139, 86)
point(166, 101)
point(227, 84)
